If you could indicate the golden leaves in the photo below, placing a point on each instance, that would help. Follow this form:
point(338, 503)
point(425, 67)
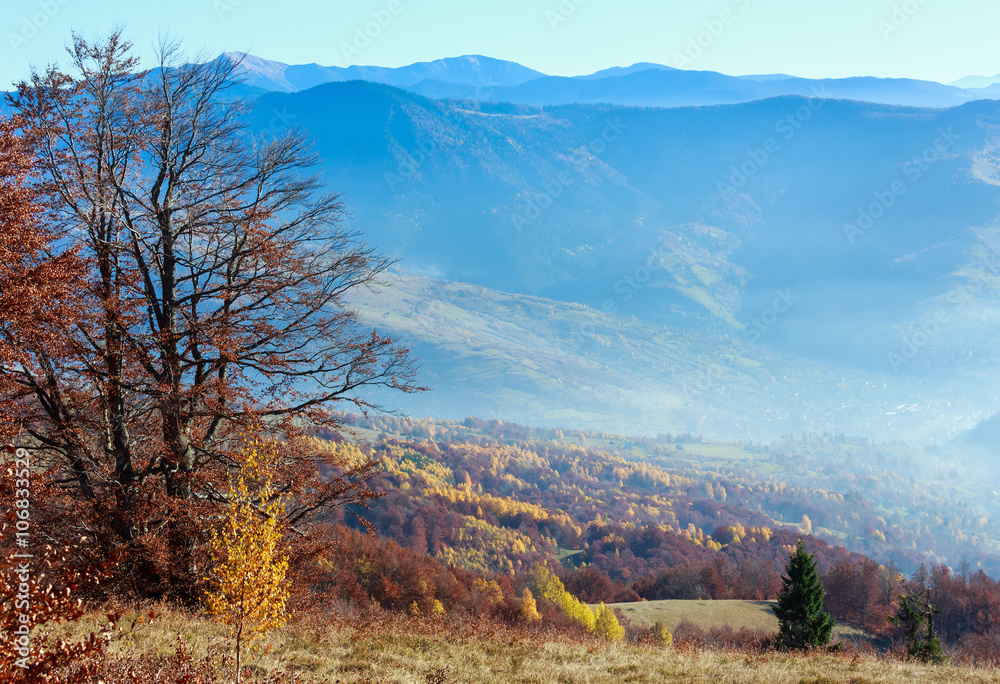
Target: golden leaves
point(248, 591)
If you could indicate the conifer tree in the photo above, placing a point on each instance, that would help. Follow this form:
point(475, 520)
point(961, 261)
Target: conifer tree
point(914, 611)
point(802, 621)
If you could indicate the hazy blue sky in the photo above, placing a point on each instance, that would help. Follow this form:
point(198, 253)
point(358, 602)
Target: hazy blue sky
point(929, 39)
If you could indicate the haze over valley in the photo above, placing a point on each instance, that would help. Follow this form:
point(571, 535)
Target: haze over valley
point(810, 257)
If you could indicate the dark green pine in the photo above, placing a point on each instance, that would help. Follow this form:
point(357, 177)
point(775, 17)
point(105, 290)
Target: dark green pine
point(802, 621)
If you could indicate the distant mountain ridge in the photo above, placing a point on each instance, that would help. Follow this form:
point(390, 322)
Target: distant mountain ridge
point(662, 87)
point(470, 70)
point(976, 81)
point(475, 77)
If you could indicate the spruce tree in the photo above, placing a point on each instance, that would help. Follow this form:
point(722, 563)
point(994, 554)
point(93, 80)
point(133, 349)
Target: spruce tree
point(914, 611)
point(801, 619)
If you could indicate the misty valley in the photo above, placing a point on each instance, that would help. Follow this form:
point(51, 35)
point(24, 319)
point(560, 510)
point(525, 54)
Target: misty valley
point(461, 371)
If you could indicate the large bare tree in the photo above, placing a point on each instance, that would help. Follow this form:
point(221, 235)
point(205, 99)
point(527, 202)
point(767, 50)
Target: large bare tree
point(214, 297)
point(37, 289)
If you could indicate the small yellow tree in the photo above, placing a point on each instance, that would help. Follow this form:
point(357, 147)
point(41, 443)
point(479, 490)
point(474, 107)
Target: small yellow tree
point(662, 636)
point(549, 587)
point(248, 592)
point(529, 608)
point(490, 589)
point(606, 624)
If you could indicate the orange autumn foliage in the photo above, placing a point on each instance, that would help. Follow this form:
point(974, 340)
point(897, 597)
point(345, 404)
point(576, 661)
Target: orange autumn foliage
point(181, 281)
point(37, 281)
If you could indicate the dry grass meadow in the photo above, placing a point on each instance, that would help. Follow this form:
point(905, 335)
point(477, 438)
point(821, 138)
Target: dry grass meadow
point(754, 615)
point(393, 648)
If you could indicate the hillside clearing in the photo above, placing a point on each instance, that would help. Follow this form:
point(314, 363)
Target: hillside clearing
point(721, 614)
point(386, 648)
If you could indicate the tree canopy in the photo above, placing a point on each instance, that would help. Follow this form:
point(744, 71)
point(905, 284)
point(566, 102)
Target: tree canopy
point(211, 295)
point(802, 622)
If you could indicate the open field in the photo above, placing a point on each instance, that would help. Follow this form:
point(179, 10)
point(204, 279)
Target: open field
point(398, 649)
point(708, 615)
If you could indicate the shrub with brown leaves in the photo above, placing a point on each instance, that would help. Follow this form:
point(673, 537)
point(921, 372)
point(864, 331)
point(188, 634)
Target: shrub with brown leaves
point(36, 591)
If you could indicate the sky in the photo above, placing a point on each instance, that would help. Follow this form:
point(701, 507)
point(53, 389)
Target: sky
point(926, 39)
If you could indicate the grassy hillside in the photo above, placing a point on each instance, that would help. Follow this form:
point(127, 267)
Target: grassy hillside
point(707, 615)
point(379, 648)
point(539, 361)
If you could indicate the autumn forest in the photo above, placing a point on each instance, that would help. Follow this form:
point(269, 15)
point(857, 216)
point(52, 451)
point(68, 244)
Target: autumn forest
point(203, 482)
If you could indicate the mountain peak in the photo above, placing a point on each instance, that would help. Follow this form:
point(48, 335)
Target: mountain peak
point(976, 81)
point(465, 70)
point(613, 72)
